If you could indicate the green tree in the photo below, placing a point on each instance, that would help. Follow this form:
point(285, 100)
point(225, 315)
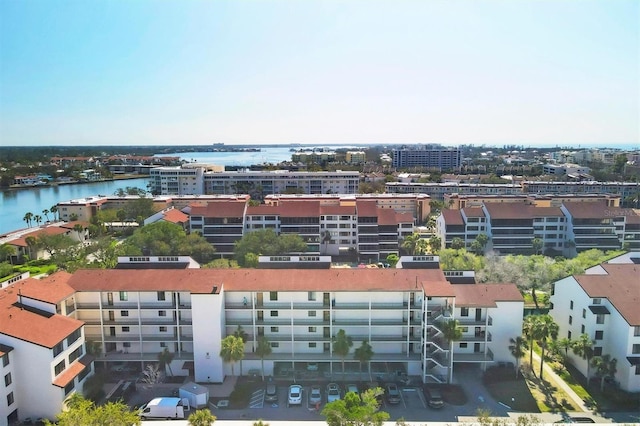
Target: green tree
point(201, 417)
point(32, 246)
point(355, 410)
point(27, 218)
point(222, 263)
point(565, 344)
point(260, 423)
point(79, 230)
point(529, 330)
point(242, 335)
point(435, 243)
point(364, 353)
point(54, 210)
point(583, 347)
point(266, 242)
point(232, 350)
point(46, 212)
point(341, 345)
point(7, 252)
point(410, 243)
point(53, 243)
point(457, 243)
point(82, 412)
point(392, 260)
point(263, 350)
point(164, 359)
point(547, 330)
point(536, 245)
point(517, 348)
point(605, 367)
point(451, 332)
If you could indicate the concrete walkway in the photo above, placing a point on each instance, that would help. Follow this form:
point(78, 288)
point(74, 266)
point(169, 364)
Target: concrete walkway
point(548, 372)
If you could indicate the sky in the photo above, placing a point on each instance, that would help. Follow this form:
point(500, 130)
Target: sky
point(148, 72)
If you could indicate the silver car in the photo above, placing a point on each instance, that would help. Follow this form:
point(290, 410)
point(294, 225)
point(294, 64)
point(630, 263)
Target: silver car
point(315, 396)
point(333, 392)
point(295, 395)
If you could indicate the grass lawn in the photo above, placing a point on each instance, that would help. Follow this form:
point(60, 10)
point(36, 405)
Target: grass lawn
point(503, 386)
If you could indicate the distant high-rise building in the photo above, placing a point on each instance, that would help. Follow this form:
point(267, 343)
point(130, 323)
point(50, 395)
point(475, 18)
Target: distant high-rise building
point(429, 156)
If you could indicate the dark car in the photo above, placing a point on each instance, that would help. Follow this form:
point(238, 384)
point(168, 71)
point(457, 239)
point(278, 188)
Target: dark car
point(271, 393)
point(393, 394)
point(434, 398)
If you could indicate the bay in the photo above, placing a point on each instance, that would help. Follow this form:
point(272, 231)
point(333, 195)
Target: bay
point(271, 155)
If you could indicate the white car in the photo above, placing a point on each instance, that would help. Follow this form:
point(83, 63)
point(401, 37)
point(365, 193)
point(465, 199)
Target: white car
point(295, 395)
point(333, 392)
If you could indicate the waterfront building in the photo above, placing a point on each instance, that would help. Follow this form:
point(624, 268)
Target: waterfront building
point(355, 157)
point(427, 156)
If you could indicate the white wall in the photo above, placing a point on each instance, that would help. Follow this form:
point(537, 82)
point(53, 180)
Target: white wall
point(208, 325)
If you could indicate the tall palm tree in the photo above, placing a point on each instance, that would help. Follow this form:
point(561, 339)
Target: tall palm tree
point(164, 358)
point(583, 347)
point(201, 418)
point(547, 330)
point(28, 216)
point(452, 332)
point(240, 333)
point(45, 212)
point(54, 210)
point(364, 353)
point(529, 332)
point(263, 350)
point(565, 344)
point(410, 242)
point(341, 345)
point(32, 246)
point(605, 367)
point(422, 246)
point(518, 347)
point(232, 350)
point(38, 219)
point(79, 229)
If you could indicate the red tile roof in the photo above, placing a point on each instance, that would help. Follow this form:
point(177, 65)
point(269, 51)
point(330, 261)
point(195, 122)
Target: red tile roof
point(386, 217)
point(52, 289)
point(338, 210)
point(70, 225)
point(589, 210)
point(520, 211)
point(452, 217)
point(367, 208)
point(486, 295)
point(202, 280)
point(49, 230)
point(404, 218)
point(473, 212)
point(619, 286)
point(75, 368)
point(300, 209)
point(263, 210)
point(223, 208)
point(175, 216)
point(37, 327)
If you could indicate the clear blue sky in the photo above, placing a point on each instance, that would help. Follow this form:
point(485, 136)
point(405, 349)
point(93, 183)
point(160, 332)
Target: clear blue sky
point(196, 72)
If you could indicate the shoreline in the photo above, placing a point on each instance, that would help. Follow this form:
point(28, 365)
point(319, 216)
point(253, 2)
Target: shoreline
point(48, 185)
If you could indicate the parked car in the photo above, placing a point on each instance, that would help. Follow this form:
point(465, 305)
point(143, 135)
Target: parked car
point(434, 398)
point(315, 396)
point(393, 394)
point(333, 392)
point(312, 366)
point(271, 393)
point(352, 388)
point(295, 395)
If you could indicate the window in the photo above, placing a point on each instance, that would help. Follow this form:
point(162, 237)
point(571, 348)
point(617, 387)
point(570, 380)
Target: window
point(75, 354)
point(311, 296)
point(600, 319)
point(599, 335)
point(569, 334)
point(275, 344)
point(7, 379)
point(273, 295)
point(126, 329)
point(73, 337)
point(635, 349)
point(59, 368)
point(597, 301)
point(124, 313)
point(597, 351)
point(57, 349)
point(584, 313)
point(161, 295)
point(163, 345)
point(10, 398)
point(126, 344)
point(571, 305)
point(124, 296)
point(638, 370)
point(274, 313)
point(5, 360)
point(636, 330)
point(463, 345)
point(582, 329)
point(464, 312)
point(312, 329)
point(570, 320)
point(68, 388)
point(162, 313)
point(312, 344)
point(312, 313)
point(163, 329)
point(275, 329)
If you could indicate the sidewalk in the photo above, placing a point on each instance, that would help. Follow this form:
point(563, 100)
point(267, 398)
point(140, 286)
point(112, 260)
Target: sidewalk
point(548, 371)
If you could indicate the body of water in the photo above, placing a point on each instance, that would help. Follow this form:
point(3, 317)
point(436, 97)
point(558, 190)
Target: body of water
point(14, 204)
point(266, 155)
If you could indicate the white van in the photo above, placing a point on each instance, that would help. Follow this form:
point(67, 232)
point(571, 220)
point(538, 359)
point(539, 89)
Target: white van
point(165, 408)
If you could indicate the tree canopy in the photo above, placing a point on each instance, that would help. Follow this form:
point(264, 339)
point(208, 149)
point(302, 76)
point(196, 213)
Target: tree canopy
point(266, 242)
point(83, 412)
point(167, 239)
point(356, 410)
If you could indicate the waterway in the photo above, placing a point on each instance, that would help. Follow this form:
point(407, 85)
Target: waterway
point(245, 158)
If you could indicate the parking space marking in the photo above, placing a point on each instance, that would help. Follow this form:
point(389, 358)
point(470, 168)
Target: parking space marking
point(257, 399)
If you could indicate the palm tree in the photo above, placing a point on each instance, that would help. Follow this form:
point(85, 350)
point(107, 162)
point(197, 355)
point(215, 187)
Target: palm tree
point(536, 245)
point(244, 336)
point(38, 219)
point(364, 353)
point(565, 343)
point(164, 358)
point(232, 350)
point(457, 243)
point(452, 332)
point(435, 243)
point(7, 252)
point(547, 329)
point(341, 345)
point(201, 418)
point(45, 212)
point(583, 347)
point(529, 332)
point(32, 244)
point(518, 347)
point(605, 367)
point(79, 228)
point(54, 210)
point(410, 243)
point(422, 246)
point(260, 423)
point(263, 350)
point(27, 218)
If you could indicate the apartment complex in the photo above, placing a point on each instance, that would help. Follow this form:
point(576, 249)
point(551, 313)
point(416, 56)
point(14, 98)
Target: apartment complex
point(438, 190)
point(564, 228)
point(603, 304)
point(428, 156)
point(200, 180)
